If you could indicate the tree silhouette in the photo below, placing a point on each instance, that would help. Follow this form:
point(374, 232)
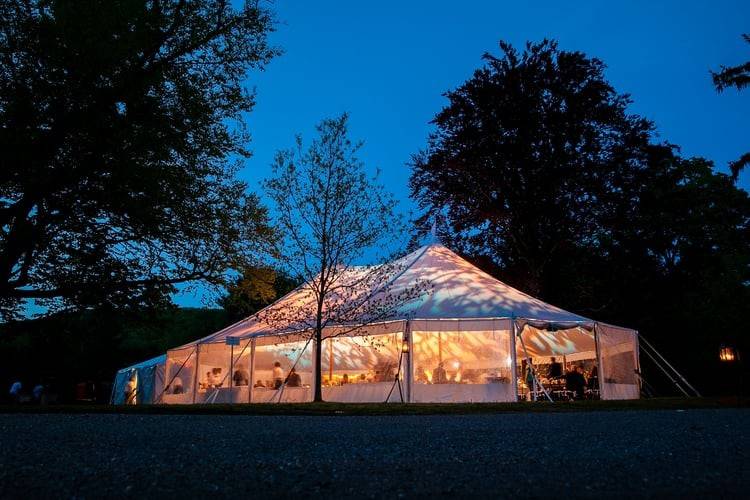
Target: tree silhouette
point(539, 176)
point(122, 127)
point(329, 214)
point(738, 77)
point(520, 157)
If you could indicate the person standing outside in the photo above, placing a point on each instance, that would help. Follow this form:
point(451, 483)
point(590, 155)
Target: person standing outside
point(15, 392)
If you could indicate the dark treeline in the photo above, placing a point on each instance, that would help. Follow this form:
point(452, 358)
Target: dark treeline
point(123, 125)
point(538, 173)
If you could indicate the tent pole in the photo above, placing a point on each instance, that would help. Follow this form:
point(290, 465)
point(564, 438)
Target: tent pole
point(409, 366)
point(600, 368)
point(669, 376)
point(330, 361)
point(637, 359)
point(195, 372)
point(513, 360)
point(647, 343)
point(231, 373)
point(251, 383)
point(533, 370)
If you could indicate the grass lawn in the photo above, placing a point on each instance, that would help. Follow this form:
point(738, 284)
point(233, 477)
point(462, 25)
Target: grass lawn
point(390, 408)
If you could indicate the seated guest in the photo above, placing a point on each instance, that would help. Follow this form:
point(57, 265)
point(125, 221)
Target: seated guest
point(575, 381)
point(177, 386)
point(555, 369)
point(439, 377)
point(294, 379)
point(241, 377)
point(345, 379)
point(216, 380)
point(258, 383)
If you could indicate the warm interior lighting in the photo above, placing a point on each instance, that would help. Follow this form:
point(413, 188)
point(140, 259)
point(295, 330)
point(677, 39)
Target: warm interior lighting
point(727, 354)
point(404, 346)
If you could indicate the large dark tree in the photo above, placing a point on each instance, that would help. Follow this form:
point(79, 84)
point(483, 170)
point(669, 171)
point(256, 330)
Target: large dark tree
point(520, 156)
point(738, 77)
point(537, 173)
point(122, 125)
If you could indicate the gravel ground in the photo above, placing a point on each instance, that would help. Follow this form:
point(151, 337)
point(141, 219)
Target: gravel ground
point(690, 453)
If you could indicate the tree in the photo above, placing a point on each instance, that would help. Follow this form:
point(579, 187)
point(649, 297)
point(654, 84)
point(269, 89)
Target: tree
point(331, 217)
point(738, 77)
point(540, 176)
point(520, 158)
point(256, 288)
point(122, 126)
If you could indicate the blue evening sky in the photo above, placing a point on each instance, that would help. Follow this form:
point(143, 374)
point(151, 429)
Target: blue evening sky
point(387, 63)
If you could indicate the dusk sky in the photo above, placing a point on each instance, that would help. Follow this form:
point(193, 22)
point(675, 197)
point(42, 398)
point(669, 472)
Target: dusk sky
point(388, 63)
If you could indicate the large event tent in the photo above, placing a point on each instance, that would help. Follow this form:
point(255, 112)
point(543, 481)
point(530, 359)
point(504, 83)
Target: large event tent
point(467, 339)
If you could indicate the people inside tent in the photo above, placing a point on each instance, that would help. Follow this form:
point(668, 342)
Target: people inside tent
point(241, 376)
point(213, 379)
point(278, 375)
point(130, 389)
point(176, 386)
point(575, 381)
point(345, 379)
point(439, 376)
point(555, 369)
point(420, 376)
point(294, 379)
point(529, 377)
point(258, 384)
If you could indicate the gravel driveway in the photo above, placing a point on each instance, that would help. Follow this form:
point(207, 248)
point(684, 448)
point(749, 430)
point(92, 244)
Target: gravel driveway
point(615, 454)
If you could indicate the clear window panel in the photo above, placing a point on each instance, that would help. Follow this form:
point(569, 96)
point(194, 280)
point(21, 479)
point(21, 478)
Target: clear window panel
point(179, 372)
point(283, 372)
point(362, 368)
point(462, 364)
point(619, 362)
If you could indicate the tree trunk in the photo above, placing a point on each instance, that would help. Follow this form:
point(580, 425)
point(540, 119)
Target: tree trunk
point(318, 366)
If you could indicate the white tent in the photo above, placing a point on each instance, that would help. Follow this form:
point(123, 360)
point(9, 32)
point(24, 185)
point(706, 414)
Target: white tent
point(149, 381)
point(466, 339)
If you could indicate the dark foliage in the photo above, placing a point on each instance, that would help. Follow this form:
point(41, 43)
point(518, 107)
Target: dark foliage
point(257, 288)
point(121, 124)
point(64, 349)
point(738, 77)
point(538, 174)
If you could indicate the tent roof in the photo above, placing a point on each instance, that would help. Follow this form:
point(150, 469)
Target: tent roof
point(458, 290)
point(158, 360)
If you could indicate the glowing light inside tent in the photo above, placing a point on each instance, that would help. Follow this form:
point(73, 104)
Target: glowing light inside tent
point(727, 354)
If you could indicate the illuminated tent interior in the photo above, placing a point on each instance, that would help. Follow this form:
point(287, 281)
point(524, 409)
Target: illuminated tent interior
point(469, 338)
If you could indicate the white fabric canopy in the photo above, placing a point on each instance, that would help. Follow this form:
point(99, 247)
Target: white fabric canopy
point(458, 290)
point(467, 335)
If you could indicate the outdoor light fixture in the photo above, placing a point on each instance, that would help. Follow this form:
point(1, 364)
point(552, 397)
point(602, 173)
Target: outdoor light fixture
point(727, 354)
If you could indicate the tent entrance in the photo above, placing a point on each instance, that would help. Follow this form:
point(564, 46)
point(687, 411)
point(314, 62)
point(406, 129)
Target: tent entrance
point(556, 364)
